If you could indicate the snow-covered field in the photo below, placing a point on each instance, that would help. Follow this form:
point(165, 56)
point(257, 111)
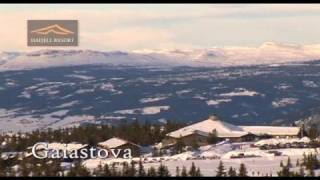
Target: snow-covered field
point(284, 102)
point(240, 92)
point(218, 101)
point(207, 158)
point(145, 110)
point(255, 165)
point(208, 167)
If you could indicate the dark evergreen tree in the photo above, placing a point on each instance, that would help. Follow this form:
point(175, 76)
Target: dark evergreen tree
point(113, 170)
point(126, 170)
point(152, 172)
point(304, 159)
point(106, 170)
point(198, 172)
point(141, 171)
point(184, 172)
point(132, 169)
point(163, 171)
point(40, 167)
point(78, 170)
point(312, 162)
point(313, 132)
point(23, 169)
point(289, 164)
point(232, 172)
point(316, 162)
point(177, 171)
point(285, 172)
point(301, 172)
point(145, 134)
point(98, 171)
point(281, 163)
point(83, 172)
point(242, 170)
point(2, 167)
point(193, 170)
point(221, 170)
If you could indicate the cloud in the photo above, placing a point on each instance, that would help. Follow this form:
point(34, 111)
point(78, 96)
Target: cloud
point(131, 38)
point(128, 27)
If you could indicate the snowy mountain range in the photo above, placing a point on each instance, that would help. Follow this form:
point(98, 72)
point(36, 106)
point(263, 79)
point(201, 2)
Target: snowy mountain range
point(272, 84)
point(267, 53)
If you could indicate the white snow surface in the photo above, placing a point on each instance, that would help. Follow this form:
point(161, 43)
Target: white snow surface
point(240, 92)
point(250, 152)
point(83, 77)
point(207, 158)
point(151, 99)
point(271, 130)
point(10, 122)
point(284, 102)
point(223, 129)
point(217, 101)
point(113, 142)
point(68, 104)
point(276, 141)
point(310, 84)
point(145, 110)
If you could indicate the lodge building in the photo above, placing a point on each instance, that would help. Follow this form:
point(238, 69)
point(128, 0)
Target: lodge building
point(200, 131)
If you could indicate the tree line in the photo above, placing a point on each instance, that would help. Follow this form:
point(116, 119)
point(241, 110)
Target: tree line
point(52, 168)
point(139, 133)
point(306, 167)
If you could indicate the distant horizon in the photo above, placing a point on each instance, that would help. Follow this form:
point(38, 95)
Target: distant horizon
point(267, 53)
point(65, 48)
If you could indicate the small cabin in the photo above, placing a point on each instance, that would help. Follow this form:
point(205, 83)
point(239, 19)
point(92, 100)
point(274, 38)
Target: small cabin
point(118, 143)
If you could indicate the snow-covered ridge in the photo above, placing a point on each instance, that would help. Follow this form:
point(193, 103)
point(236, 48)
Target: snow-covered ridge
point(267, 53)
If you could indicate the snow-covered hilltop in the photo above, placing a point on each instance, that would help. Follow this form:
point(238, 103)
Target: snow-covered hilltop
point(267, 53)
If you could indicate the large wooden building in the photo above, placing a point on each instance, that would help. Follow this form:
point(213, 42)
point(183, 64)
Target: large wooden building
point(200, 131)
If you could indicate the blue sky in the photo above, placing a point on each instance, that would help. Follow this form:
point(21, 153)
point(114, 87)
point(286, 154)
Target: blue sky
point(168, 26)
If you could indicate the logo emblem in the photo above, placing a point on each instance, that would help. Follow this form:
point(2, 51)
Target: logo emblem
point(52, 33)
point(56, 29)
